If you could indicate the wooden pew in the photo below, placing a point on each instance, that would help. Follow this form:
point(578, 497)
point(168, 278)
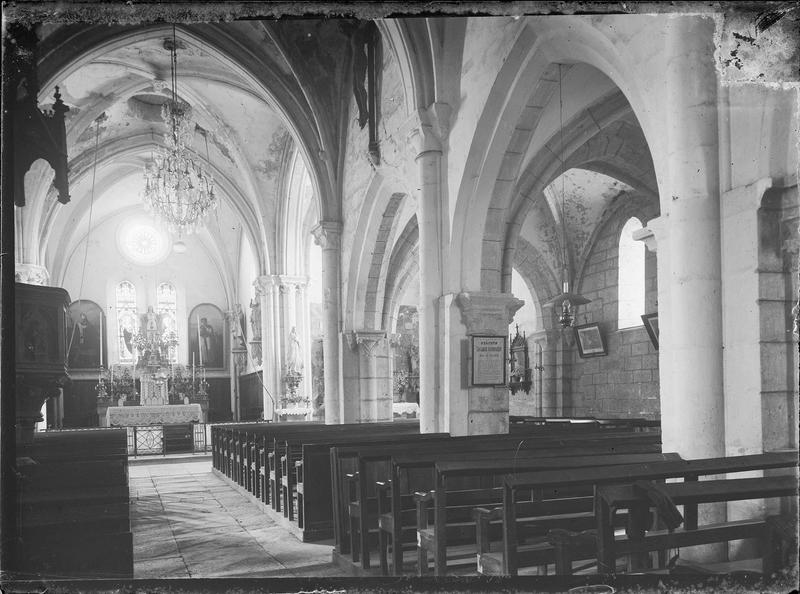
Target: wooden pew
point(371, 462)
point(312, 480)
point(287, 450)
point(546, 482)
point(74, 505)
point(613, 498)
point(393, 520)
point(582, 457)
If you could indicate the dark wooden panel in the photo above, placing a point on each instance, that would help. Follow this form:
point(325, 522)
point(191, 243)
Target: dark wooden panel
point(251, 400)
point(219, 400)
point(80, 404)
point(178, 439)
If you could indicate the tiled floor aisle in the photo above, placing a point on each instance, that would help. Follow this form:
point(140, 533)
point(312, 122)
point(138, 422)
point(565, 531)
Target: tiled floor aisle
point(189, 523)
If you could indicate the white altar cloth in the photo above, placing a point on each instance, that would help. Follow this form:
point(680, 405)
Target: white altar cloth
point(128, 416)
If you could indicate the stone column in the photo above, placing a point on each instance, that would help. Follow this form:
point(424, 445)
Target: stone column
point(552, 372)
point(327, 235)
point(266, 288)
point(375, 398)
point(430, 138)
point(349, 387)
point(656, 237)
point(693, 406)
point(474, 410)
point(693, 424)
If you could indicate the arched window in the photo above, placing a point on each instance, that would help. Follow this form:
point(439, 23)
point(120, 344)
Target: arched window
point(167, 307)
point(631, 276)
point(126, 320)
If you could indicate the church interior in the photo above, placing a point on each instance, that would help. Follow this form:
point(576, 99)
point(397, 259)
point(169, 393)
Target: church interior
point(420, 289)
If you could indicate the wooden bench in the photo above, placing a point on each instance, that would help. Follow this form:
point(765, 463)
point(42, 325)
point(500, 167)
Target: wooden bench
point(394, 521)
point(640, 539)
point(428, 537)
point(313, 479)
point(512, 556)
point(288, 449)
point(74, 507)
point(422, 458)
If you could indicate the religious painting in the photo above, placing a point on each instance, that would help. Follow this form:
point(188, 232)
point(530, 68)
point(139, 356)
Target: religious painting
point(590, 341)
point(488, 360)
point(650, 322)
point(86, 330)
point(208, 337)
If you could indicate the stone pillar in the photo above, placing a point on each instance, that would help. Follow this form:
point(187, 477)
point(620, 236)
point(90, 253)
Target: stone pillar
point(552, 373)
point(656, 237)
point(694, 426)
point(349, 379)
point(375, 394)
point(327, 235)
point(474, 410)
point(266, 288)
point(430, 137)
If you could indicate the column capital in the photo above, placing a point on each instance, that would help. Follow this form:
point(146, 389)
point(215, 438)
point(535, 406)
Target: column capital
point(327, 234)
point(485, 312)
point(288, 281)
point(368, 340)
point(429, 128)
point(653, 233)
point(32, 274)
point(266, 284)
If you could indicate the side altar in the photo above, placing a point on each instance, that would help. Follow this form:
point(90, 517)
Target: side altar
point(154, 391)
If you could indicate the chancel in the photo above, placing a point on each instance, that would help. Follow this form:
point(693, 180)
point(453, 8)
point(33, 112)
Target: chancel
point(348, 295)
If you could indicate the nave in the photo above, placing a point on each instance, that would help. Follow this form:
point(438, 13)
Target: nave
point(460, 294)
point(189, 523)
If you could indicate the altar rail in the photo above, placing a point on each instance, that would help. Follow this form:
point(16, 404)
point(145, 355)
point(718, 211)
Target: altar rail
point(153, 440)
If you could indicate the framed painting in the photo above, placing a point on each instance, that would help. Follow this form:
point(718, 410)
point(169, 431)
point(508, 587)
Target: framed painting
point(86, 332)
point(590, 341)
point(650, 322)
point(208, 337)
point(489, 360)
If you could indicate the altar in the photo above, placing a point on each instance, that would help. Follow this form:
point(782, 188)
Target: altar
point(168, 414)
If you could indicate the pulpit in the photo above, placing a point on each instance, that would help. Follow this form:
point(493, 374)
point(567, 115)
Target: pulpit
point(41, 351)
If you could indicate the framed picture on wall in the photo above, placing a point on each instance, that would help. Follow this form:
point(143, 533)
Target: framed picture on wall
point(86, 327)
point(208, 337)
point(650, 322)
point(489, 360)
point(590, 341)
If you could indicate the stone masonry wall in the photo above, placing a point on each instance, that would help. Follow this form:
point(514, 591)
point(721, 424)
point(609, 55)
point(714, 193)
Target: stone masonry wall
point(625, 383)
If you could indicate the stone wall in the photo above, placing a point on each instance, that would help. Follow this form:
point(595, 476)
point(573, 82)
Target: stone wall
point(625, 383)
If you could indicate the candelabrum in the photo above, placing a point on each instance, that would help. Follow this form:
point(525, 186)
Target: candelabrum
point(182, 385)
point(112, 386)
point(292, 378)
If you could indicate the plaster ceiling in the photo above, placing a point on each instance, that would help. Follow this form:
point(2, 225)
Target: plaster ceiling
point(115, 103)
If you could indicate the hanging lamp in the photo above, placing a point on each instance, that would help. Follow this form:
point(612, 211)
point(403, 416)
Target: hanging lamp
point(178, 190)
point(565, 302)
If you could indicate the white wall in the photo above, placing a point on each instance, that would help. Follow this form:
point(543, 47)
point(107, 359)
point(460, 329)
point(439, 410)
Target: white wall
point(193, 273)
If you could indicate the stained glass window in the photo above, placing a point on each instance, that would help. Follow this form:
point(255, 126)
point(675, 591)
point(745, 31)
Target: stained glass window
point(126, 321)
point(167, 307)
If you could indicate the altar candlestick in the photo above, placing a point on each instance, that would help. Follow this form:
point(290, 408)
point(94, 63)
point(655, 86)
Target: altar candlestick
point(112, 373)
point(101, 342)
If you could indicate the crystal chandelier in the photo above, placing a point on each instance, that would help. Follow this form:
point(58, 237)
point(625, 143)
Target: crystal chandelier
point(178, 191)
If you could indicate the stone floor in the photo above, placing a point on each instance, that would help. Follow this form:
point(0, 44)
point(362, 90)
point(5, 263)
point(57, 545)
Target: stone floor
point(189, 523)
